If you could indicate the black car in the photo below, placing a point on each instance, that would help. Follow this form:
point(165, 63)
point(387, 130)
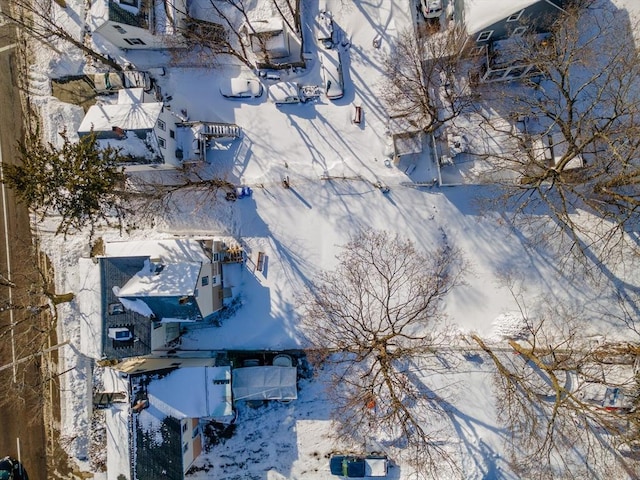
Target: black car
point(12, 469)
point(359, 467)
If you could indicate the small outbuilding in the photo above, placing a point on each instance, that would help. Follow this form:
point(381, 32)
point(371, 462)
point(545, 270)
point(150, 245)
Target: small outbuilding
point(264, 383)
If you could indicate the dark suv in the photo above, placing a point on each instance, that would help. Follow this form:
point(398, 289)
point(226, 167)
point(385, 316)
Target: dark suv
point(359, 467)
point(12, 469)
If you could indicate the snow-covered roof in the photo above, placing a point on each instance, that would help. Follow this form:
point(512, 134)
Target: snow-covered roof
point(131, 116)
point(271, 25)
point(169, 250)
point(171, 280)
point(127, 96)
point(265, 383)
point(479, 14)
point(209, 392)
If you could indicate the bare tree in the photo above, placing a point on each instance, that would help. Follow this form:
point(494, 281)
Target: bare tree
point(577, 147)
point(419, 72)
point(226, 35)
point(569, 405)
point(214, 39)
point(374, 316)
point(40, 19)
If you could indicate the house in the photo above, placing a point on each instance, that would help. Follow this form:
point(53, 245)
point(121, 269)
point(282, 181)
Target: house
point(149, 288)
point(139, 24)
point(166, 427)
point(486, 21)
point(149, 133)
point(493, 34)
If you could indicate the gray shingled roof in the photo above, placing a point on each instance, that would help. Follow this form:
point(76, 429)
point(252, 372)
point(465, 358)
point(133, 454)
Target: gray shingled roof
point(157, 460)
point(120, 15)
point(116, 272)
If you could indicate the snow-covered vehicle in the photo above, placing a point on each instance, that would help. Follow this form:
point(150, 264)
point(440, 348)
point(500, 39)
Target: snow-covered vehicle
point(351, 466)
point(282, 93)
point(241, 88)
point(324, 29)
point(332, 74)
point(431, 8)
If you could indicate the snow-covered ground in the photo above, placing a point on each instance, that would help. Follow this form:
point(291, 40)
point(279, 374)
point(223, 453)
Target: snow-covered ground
point(332, 166)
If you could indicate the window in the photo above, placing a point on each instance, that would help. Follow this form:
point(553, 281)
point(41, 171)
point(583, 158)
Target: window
point(518, 31)
point(216, 257)
point(195, 432)
point(134, 41)
point(184, 427)
point(516, 16)
point(161, 125)
point(185, 448)
point(477, 51)
point(205, 281)
point(172, 134)
point(120, 29)
point(162, 142)
point(484, 36)
point(116, 308)
point(132, 3)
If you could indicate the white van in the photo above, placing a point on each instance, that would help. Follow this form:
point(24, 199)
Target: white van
point(284, 92)
point(332, 79)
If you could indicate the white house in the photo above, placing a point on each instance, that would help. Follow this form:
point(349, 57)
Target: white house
point(143, 127)
point(139, 24)
point(149, 133)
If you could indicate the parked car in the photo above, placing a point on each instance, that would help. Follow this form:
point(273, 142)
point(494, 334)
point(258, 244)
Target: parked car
point(332, 74)
point(12, 469)
point(359, 467)
point(282, 93)
point(324, 29)
point(241, 88)
point(431, 8)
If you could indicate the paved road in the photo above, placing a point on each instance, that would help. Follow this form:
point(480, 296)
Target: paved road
point(21, 412)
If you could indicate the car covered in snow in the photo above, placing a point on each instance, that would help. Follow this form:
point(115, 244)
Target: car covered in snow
point(332, 74)
point(351, 466)
point(324, 29)
point(282, 93)
point(431, 8)
point(241, 88)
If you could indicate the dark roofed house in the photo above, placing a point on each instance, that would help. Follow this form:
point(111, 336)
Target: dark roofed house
point(167, 432)
point(145, 298)
point(493, 28)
